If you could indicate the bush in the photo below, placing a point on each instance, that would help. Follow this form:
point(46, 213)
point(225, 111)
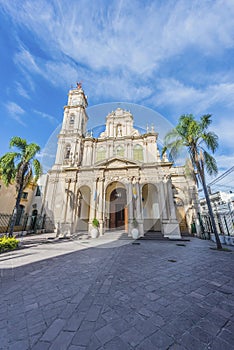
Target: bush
point(95, 223)
point(8, 243)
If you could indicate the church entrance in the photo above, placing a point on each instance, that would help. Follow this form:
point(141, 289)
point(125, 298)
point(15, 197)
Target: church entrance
point(116, 202)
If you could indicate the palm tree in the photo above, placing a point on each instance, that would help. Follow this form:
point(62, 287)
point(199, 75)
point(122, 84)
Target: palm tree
point(19, 168)
point(194, 136)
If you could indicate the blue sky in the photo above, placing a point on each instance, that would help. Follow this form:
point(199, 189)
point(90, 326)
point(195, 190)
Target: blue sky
point(172, 56)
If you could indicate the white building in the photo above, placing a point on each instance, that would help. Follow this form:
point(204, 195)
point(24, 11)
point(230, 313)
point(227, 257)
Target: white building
point(118, 178)
point(223, 208)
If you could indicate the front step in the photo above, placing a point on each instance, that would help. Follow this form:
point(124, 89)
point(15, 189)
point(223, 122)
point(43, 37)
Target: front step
point(154, 235)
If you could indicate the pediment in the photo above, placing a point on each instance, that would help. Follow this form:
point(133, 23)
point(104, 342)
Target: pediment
point(117, 163)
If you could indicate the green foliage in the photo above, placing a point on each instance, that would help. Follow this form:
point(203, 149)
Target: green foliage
point(134, 223)
point(95, 222)
point(193, 135)
point(19, 167)
point(8, 243)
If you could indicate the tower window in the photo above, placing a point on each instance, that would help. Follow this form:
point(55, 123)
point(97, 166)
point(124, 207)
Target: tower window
point(72, 120)
point(67, 151)
point(138, 153)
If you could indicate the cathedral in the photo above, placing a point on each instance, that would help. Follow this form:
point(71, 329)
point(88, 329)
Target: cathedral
point(118, 178)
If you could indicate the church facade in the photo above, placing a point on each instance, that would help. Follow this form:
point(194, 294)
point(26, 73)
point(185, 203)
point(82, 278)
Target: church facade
point(118, 178)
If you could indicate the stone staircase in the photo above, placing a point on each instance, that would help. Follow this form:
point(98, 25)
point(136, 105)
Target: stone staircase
point(154, 235)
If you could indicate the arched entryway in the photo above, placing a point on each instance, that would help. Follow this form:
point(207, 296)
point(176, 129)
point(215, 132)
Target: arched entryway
point(181, 215)
point(116, 206)
point(82, 208)
point(151, 212)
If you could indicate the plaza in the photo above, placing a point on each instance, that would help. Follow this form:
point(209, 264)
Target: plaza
point(109, 293)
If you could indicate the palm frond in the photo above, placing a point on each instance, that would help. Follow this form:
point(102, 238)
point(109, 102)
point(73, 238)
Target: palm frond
point(19, 143)
point(31, 150)
point(211, 140)
point(8, 168)
point(210, 164)
point(37, 169)
point(205, 121)
point(170, 136)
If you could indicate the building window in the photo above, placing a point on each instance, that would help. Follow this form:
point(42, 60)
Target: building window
point(67, 151)
point(120, 151)
point(38, 191)
point(72, 120)
point(138, 153)
point(24, 195)
point(101, 154)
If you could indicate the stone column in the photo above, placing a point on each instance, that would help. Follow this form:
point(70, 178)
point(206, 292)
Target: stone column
point(130, 207)
point(139, 209)
point(100, 187)
point(162, 201)
point(170, 227)
point(93, 202)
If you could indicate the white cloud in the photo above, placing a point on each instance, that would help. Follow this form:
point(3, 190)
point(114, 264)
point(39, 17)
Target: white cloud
point(22, 91)
point(49, 117)
point(15, 111)
point(133, 35)
point(224, 129)
point(176, 94)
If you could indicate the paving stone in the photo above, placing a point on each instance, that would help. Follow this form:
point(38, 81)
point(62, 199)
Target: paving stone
point(53, 330)
point(161, 340)
point(146, 327)
point(93, 313)
point(41, 345)
point(201, 335)
point(146, 344)
point(19, 345)
point(132, 337)
point(62, 341)
point(191, 343)
point(220, 344)
point(74, 322)
point(82, 337)
point(116, 344)
point(105, 334)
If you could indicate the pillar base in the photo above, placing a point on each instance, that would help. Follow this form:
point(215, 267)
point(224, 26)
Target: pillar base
point(66, 229)
point(171, 229)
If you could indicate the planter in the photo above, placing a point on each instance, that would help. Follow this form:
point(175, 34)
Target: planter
point(231, 240)
point(94, 232)
point(228, 240)
point(212, 237)
point(221, 238)
point(135, 233)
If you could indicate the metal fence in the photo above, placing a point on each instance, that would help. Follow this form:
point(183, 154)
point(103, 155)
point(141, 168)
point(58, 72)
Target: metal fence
point(224, 223)
point(27, 223)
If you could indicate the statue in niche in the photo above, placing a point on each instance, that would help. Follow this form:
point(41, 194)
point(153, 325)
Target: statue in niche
point(119, 130)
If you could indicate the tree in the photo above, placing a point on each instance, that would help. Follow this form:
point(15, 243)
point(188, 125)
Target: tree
point(20, 168)
point(195, 137)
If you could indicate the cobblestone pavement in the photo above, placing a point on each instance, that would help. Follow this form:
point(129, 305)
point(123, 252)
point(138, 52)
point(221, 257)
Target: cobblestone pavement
point(81, 295)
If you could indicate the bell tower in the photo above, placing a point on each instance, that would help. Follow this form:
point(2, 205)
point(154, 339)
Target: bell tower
point(74, 124)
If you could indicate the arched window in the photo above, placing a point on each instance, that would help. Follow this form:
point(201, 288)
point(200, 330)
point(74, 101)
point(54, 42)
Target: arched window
point(72, 120)
point(82, 126)
point(67, 151)
point(120, 151)
point(138, 153)
point(101, 154)
point(119, 130)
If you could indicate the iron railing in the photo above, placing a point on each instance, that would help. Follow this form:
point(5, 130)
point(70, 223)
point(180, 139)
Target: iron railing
point(26, 224)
